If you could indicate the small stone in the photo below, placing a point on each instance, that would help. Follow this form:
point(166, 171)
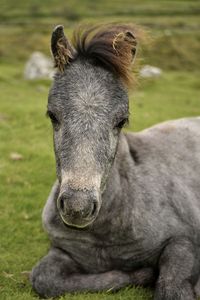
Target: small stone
point(39, 66)
point(16, 156)
point(150, 71)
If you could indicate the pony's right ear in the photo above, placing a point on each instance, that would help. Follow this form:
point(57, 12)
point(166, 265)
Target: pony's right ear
point(61, 48)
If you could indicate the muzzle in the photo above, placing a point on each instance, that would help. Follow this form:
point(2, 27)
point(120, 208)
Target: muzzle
point(78, 208)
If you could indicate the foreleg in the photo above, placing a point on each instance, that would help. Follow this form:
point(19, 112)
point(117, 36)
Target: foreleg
point(178, 271)
point(57, 274)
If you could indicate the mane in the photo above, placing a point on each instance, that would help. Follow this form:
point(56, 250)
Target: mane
point(112, 46)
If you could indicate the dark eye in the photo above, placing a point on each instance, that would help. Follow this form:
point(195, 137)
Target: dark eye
point(121, 123)
point(53, 118)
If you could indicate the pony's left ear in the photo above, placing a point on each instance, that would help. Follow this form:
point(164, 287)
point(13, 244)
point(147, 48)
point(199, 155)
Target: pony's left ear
point(61, 48)
point(125, 44)
point(131, 40)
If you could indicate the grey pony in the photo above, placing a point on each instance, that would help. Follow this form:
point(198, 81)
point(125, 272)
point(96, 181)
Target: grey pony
point(125, 209)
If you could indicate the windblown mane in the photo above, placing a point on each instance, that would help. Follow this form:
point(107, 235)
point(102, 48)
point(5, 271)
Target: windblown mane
point(112, 46)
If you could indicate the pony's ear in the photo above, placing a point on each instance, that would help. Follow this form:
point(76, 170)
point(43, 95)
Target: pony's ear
point(131, 39)
point(125, 44)
point(61, 48)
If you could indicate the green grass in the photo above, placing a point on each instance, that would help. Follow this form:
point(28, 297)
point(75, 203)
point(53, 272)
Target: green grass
point(25, 183)
point(174, 26)
point(25, 26)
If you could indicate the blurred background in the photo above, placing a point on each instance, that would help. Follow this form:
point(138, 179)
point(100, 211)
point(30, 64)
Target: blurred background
point(26, 26)
point(168, 88)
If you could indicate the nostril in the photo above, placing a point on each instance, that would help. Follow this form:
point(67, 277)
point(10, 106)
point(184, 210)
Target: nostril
point(94, 208)
point(62, 205)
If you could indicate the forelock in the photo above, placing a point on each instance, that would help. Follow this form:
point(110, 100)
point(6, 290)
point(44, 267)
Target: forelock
point(111, 46)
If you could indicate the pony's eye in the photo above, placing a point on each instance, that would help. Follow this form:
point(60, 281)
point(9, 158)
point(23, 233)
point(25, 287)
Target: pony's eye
point(121, 123)
point(53, 118)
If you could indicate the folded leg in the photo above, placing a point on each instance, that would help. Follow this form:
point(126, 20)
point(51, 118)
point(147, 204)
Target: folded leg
point(178, 271)
point(57, 274)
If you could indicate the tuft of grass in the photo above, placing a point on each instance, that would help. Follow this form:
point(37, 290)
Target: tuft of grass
point(25, 183)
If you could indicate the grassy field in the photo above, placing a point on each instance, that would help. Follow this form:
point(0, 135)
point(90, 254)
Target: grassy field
point(174, 26)
point(24, 129)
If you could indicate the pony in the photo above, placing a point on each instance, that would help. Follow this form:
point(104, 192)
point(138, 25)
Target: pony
point(125, 208)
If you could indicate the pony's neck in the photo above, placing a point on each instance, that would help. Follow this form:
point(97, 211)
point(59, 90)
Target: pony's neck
point(119, 185)
point(121, 172)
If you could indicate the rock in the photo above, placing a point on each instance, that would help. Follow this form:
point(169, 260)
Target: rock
point(39, 66)
point(150, 71)
point(16, 156)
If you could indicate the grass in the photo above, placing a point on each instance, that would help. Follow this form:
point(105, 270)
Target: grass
point(25, 183)
point(25, 26)
point(174, 26)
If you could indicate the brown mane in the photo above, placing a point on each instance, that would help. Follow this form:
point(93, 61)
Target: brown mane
point(113, 46)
